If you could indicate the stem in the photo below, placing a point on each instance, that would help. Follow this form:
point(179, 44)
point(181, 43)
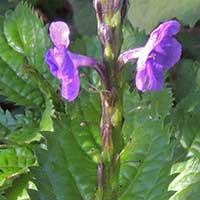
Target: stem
point(110, 14)
point(112, 144)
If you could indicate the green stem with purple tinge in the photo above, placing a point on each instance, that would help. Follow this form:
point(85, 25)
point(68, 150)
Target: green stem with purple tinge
point(110, 15)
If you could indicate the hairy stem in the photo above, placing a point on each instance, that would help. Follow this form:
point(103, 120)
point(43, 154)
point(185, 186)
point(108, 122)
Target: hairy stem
point(112, 143)
point(110, 15)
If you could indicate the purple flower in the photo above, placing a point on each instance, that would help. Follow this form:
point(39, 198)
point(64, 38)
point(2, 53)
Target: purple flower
point(160, 53)
point(60, 62)
point(63, 63)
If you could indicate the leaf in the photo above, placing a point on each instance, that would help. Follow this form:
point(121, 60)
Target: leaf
point(146, 14)
point(85, 116)
point(15, 121)
point(133, 38)
point(25, 135)
point(17, 90)
point(13, 162)
point(73, 146)
point(7, 122)
point(153, 106)
point(18, 128)
point(187, 183)
point(27, 35)
point(24, 41)
point(14, 83)
point(185, 76)
point(18, 187)
point(148, 153)
point(185, 123)
point(195, 146)
point(62, 165)
point(185, 116)
point(46, 123)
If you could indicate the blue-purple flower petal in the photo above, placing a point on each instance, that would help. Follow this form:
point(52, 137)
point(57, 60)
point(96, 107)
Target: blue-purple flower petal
point(141, 80)
point(60, 63)
point(64, 64)
point(70, 87)
point(59, 33)
point(161, 52)
point(63, 68)
point(155, 77)
point(169, 28)
point(49, 59)
point(168, 53)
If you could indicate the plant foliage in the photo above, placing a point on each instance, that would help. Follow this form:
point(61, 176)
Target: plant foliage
point(50, 149)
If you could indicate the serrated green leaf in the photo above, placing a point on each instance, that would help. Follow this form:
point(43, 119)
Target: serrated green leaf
point(187, 183)
point(156, 104)
point(72, 147)
point(26, 34)
point(194, 149)
point(63, 164)
point(14, 121)
point(25, 135)
point(42, 182)
point(185, 116)
point(13, 162)
point(7, 122)
point(146, 14)
point(147, 157)
point(191, 192)
point(24, 41)
point(85, 116)
point(187, 125)
point(10, 56)
point(11, 31)
point(18, 128)
point(14, 82)
point(133, 38)
point(16, 89)
point(185, 77)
